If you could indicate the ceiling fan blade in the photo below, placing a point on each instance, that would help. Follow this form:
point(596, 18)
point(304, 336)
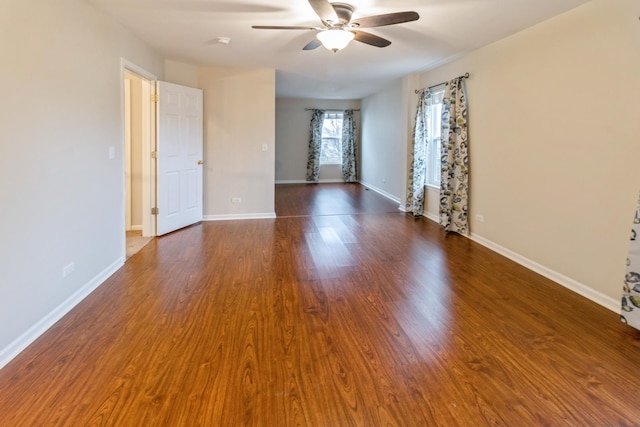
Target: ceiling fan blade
point(371, 39)
point(280, 27)
point(324, 10)
point(313, 44)
point(386, 19)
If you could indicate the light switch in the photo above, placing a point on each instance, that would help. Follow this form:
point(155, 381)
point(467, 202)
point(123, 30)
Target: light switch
point(112, 152)
point(265, 147)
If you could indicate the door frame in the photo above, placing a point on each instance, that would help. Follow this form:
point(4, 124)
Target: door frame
point(148, 146)
point(127, 151)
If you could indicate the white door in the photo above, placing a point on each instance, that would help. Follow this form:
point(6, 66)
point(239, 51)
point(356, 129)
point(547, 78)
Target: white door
point(179, 157)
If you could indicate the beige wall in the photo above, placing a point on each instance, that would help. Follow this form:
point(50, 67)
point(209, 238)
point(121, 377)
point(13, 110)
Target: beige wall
point(62, 196)
point(181, 73)
point(384, 136)
point(292, 137)
point(239, 117)
point(239, 110)
point(554, 145)
point(554, 141)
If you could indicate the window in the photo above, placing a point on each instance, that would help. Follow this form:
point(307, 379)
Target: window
point(434, 130)
point(331, 150)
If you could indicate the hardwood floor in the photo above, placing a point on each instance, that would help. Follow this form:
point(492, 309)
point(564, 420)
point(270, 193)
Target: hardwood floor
point(362, 318)
point(135, 242)
point(329, 199)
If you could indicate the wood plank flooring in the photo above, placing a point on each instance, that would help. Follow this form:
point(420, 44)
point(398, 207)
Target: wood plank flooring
point(135, 242)
point(366, 317)
point(329, 199)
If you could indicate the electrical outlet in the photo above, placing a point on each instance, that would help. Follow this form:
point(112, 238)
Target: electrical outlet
point(68, 269)
point(480, 218)
point(265, 147)
point(236, 200)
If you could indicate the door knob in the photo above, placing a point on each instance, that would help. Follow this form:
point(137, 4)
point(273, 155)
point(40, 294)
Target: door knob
point(201, 162)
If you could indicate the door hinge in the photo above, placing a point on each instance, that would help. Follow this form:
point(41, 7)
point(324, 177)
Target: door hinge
point(155, 97)
point(154, 211)
point(154, 154)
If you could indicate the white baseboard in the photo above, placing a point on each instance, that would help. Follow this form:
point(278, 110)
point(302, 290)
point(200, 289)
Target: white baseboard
point(561, 279)
point(381, 192)
point(136, 228)
point(433, 217)
point(567, 282)
point(269, 215)
point(23, 341)
point(302, 181)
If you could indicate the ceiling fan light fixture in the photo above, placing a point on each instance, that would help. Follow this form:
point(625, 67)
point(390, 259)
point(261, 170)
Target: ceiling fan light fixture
point(335, 39)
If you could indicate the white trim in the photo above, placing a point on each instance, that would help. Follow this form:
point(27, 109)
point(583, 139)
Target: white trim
point(567, 282)
point(270, 215)
point(34, 332)
point(433, 217)
point(302, 181)
point(127, 152)
point(293, 181)
point(128, 65)
point(148, 186)
point(136, 228)
point(381, 192)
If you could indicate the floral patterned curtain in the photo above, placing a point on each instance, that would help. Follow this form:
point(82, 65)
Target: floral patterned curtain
point(315, 144)
point(418, 161)
point(631, 291)
point(454, 179)
point(349, 169)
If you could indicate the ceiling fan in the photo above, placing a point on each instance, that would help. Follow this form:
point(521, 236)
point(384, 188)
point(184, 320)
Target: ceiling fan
point(338, 29)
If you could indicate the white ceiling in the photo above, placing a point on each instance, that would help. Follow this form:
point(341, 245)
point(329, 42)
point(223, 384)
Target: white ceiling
point(186, 31)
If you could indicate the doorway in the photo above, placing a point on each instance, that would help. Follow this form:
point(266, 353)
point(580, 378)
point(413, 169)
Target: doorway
point(139, 169)
point(163, 146)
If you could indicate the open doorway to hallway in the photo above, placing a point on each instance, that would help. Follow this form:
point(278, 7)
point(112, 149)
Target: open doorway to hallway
point(138, 129)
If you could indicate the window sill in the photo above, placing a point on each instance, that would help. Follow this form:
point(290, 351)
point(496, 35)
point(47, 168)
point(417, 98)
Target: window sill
point(434, 187)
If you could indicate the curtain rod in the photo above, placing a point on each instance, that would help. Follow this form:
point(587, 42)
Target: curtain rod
point(464, 76)
point(334, 110)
